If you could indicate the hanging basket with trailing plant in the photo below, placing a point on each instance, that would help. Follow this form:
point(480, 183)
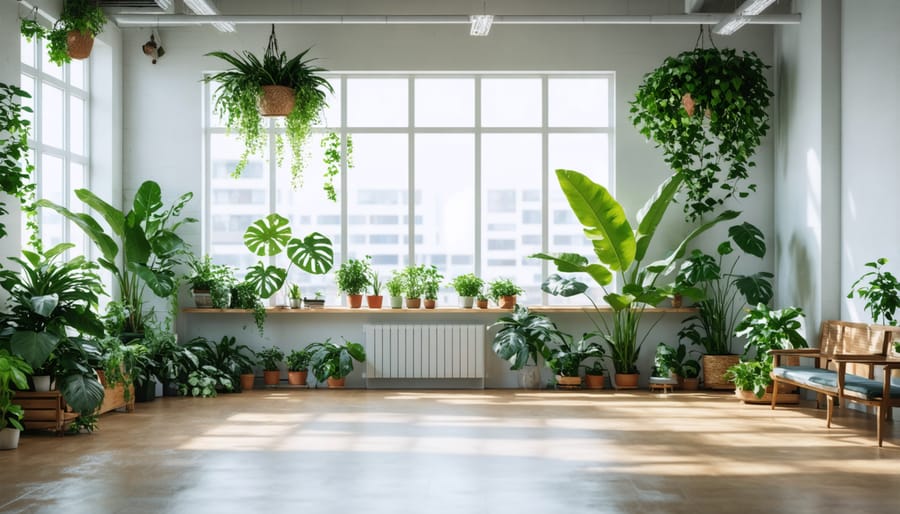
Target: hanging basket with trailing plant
point(240, 100)
point(707, 110)
point(72, 36)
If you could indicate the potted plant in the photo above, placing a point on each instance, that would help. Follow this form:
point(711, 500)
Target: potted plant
point(318, 302)
point(467, 286)
point(723, 293)
point(716, 148)
point(15, 166)
point(670, 361)
point(569, 357)
point(414, 285)
point(353, 278)
point(332, 363)
point(431, 284)
point(270, 357)
point(298, 366)
point(481, 299)
point(620, 249)
point(206, 277)
point(880, 290)
point(228, 358)
point(171, 361)
point(271, 86)
point(72, 36)
point(374, 300)
point(295, 296)
point(244, 296)
point(395, 287)
point(13, 372)
point(595, 375)
point(523, 340)
point(504, 292)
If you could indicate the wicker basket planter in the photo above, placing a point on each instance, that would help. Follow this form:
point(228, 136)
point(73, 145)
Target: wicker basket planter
point(714, 368)
point(276, 101)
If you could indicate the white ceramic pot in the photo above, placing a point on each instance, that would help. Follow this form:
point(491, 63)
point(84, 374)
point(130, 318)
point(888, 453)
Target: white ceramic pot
point(41, 383)
point(530, 377)
point(9, 438)
point(467, 302)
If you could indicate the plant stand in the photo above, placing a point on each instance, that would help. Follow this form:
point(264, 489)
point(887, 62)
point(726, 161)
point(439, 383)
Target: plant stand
point(666, 385)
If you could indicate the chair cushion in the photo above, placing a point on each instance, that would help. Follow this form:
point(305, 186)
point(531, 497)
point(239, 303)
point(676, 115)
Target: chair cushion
point(809, 375)
point(870, 389)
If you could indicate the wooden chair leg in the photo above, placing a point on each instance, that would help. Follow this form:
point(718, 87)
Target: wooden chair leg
point(829, 411)
point(880, 419)
point(774, 393)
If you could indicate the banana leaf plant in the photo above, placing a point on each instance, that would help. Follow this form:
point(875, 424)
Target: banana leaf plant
point(146, 236)
point(270, 236)
point(620, 251)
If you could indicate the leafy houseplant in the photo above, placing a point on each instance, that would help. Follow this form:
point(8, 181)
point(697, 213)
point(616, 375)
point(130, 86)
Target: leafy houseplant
point(240, 95)
point(431, 283)
point(270, 357)
point(375, 299)
point(733, 90)
point(13, 372)
point(331, 143)
point(298, 366)
point(413, 285)
point(333, 362)
point(504, 292)
point(353, 278)
point(467, 286)
point(15, 167)
point(295, 296)
point(619, 249)
point(395, 287)
point(124, 364)
point(228, 357)
point(210, 280)
point(171, 362)
point(147, 238)
point(72, 36)
point(244, 296)
point(525, 338)
point(881, 291)
point(570, 355)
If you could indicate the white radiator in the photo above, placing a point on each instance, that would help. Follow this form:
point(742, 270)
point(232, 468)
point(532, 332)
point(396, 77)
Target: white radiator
point(424, 351)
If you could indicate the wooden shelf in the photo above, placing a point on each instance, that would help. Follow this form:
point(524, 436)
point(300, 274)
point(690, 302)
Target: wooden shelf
point(549, 309)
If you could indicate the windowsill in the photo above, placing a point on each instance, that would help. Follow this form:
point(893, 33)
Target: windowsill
point(555, 309)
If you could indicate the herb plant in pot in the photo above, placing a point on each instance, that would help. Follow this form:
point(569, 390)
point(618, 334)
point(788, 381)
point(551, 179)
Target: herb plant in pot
point(295, 296)
point(332, 363)
point(481, 299)
point(13, 372)
point(569, 357)
point(206, 277)
point(431, 282)
point(395, 287)
point(353, 278)
point(374, 300)
point(270, 357)
point(595, 375)
point(72, 36)
point(414, 285)
point(504, 291)
point(523, 340)
point(271, 86)
point(298, 366)
point(467, 286)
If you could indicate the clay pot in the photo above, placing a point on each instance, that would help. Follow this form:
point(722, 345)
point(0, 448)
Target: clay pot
point(430, 303)
point(568, 382)
point(296, 378)
point(276, 101)
point(271, 377)
point(506, 302)
point(690, 384)
point(595, 381)
point(482, 304)
point(374, 301)
point(627, 380)
point(355, 300)
point(413, 303)
point(336, 383)
point(247, 380)
point(79, 44)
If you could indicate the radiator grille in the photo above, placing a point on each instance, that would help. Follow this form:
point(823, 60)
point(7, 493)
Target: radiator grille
point(424, 351)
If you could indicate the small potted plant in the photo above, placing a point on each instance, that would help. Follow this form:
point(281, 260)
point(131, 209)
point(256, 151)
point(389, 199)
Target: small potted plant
point(431, 284)
point(504, 292)
point(374, 300)
point(675, 360)
point(295, 296)
point(298, 366)
point(332, 363)
point(523, 340)
point(481, 299)
point(881, 291)
point(209, 280)
point(72, 36)
point(270, 357)
point(315, 303)
point(569, 356)
point(395, 287)
point(13, 372)
point(467, 286)
point(595, 375)
point(414, 285)
point(353, 278)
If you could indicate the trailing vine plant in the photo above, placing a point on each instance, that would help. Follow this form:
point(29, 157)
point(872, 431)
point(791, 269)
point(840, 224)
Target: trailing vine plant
point(331, 143)
point(83, 16)
point(15, 166)
point(706, 109)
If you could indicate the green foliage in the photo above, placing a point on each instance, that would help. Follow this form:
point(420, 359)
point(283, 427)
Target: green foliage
point(15, 165)
point(467, 285)
point(571, 354)
point(270, 357)
point(675, 360)
point(503, 287)
point(596, 368)
point(84, 423)
point(228, 357)
point(331, 143)
point(124, 363)
point(244, 296)
point(525, 337)
point(298, 360)
point(171, 361)
point(83, 16)
point(375, 283)
point(767, 329)
point(240, 88)
point(205, 382)
point(732, 89)
point(14, 371)
point(413, 279)
point(148, 241)
point(880, 290)
point(396, 285)
point(431, 282)
point(331, 360)
point(751, 376)
point(205, 274)
point(294, 292)
point(353, 276)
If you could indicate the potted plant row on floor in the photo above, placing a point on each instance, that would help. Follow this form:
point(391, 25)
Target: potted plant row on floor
point(332, 363)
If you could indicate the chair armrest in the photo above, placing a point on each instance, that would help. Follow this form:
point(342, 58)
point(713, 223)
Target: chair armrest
point(865, 358)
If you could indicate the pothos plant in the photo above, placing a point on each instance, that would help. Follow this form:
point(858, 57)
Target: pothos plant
point(707, 109)
point(83, 16)
point(331, 144)
point(15, 166)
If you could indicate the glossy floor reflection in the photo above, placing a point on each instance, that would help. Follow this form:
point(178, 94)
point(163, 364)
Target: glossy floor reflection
point(423, 452)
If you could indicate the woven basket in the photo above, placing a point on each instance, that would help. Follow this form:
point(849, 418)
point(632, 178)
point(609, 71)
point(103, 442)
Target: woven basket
point(276, 101)
point(79, 44)
point(714, 368)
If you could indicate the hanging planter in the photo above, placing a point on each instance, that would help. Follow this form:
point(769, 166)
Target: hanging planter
point(79, 44)
point(72, 36)
point(241, 100)
point(713, 151)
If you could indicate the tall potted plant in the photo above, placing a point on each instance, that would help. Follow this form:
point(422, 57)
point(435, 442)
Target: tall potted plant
point(13, 372)
point(271, 86)
point(353, 278)
point(332, 362)
point(374, 300)
point(467, 286)
point(72, 36)
point(414, 285)
point(524, 339)
point(880, 290)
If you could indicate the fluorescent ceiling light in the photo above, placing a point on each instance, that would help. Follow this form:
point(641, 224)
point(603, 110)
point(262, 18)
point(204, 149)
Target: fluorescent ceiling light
point(730, 25)
point(165, 5)
point(206, 7)
point(481, 24)
point(754, 7)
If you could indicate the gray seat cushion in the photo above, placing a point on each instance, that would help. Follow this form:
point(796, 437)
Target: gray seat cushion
point(810, 375)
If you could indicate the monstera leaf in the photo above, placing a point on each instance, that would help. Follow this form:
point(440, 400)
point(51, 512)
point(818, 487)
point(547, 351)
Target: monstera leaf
point(565, 287)
point(313, 254)
point(266, 279)
point(268, 236)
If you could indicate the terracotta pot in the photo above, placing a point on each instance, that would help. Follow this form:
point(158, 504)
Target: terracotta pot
point(595, 381)
point(430, 303)
point(506, 302)
point(247, 380)
point(336, 383)
point(413, 303)
point(271, 377)
point(276, 101)
point(296, 378)
point(355, 300)
point(714, 368)
point(482, 304)
point(690, 384)
point(676, 301)
point(627, 380)
point(79, 44)
point(374, 301)
point(568, 381)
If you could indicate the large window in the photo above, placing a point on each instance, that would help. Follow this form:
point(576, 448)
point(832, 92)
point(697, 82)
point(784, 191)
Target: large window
point(450, 170)
point(59, 137)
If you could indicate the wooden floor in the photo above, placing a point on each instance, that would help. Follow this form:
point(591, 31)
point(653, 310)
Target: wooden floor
point(426, 452)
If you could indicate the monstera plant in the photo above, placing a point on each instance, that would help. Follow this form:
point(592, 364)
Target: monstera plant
point(271, 236)
point(707, 110)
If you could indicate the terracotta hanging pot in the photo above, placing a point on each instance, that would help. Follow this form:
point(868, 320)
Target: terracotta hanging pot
point(276, 101)
point(79, 44)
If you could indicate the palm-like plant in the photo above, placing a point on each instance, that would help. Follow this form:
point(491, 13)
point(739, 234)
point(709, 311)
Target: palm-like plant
point(240, 88)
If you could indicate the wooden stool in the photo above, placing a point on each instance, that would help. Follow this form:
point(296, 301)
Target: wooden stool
point(662, 384)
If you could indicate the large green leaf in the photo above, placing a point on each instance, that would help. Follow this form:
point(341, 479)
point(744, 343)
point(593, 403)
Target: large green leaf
point(137, 248)
point(166, 243)
point(34, 347)
point(313, 254)
point(45, 304)
point(161, 282)
point(147, 200)
point(89, 225)
point(268, 236)
point(356, 350)
point(756, 288)
point(565, 287)
point(749, 238)
point(267, 280)
point(619, 301)
point(83, 393)
point(114, 217)
point(603, 218)
point(650, 216)
point(574, 263)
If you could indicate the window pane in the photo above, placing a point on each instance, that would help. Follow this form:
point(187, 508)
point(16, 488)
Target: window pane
point(77, 180)
point(377, 102)
point(445, 178)
point(444, 102)
point(27, 83)
point(52, 116)
point(76, 73)
point(76, 125)
point(48, 67)
point(331, 115)
point(511, 163)
point(27, 50)
point(51, 188)
point(511, 103)
point(578, 102)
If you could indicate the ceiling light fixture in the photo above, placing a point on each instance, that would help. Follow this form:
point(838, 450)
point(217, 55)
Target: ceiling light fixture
point(205, 7)
point(481, 24)
point(742, 16)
